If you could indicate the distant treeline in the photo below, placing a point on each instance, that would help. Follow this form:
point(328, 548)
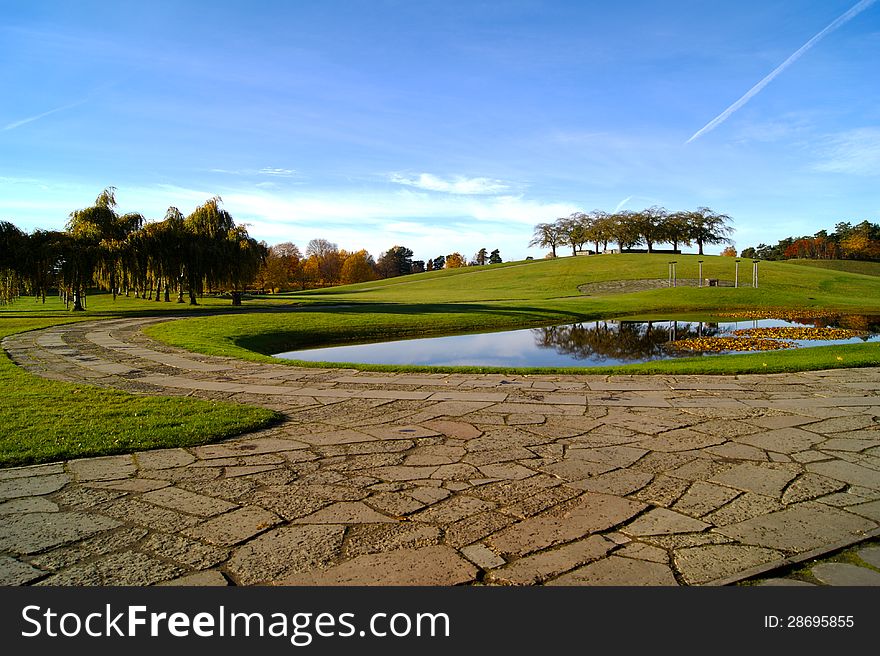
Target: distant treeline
point(629, 229)
point(182, 257)
point(324, 264)
point(846, 242)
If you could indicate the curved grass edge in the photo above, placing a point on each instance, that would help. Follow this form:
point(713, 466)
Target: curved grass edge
point(257, 346)
point(48, 421)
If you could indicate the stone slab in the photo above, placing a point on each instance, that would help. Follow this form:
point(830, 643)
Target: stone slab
point(188, 502)
point(845, 574)
point(35, 532)
point(713, 562)
point(28, 505)
point(345, 512)
point(209, 578)
point(234, 527)
point(432, 566)
point(32, 486)
point(589, 513)
point(679, 440)
point(285, 551)
point(618, 571)
point(15, 572)
point(702, 498)
point(104, 468)
point(802, 527)
point(537, 568)
point(662, 521)
point(870, 555)
point(482, 556)
point(847, 472)
point(782, 440)
point(749, 477)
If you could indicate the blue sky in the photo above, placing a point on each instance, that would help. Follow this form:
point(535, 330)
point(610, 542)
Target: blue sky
point(442, 126)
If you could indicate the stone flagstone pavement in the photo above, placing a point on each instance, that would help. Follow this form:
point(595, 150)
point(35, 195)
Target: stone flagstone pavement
point(442, 479)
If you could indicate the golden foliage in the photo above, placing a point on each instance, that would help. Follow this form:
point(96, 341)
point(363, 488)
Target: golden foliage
point(723, 344)
point(796, 332)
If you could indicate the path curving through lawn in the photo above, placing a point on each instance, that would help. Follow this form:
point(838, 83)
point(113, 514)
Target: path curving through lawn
point(441, 479)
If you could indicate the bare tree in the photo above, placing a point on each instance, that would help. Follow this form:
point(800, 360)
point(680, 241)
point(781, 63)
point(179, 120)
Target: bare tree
point(709, 227)
point(547, 235)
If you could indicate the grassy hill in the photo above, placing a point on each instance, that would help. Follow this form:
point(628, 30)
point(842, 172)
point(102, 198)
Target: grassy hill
point(539, 280)
point(520, 294)
point(850, 266)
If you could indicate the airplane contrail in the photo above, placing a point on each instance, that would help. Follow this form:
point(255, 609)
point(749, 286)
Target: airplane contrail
point(29, 119)
point(723, 116)
point(622, 203)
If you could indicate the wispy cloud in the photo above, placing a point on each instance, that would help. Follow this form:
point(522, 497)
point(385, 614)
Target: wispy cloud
point(723, 116)
point(277, 173)
point(854, 151)
point(457, 185)
point(266, 170)
point(37, 117)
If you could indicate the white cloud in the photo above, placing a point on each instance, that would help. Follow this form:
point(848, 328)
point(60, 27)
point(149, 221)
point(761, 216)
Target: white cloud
point(277, 173)
point(266, 170)
point(854, 151)
point(457, 185)
point(376, 220)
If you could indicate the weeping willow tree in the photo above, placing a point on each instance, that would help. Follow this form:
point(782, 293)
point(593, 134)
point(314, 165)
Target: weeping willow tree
point(120, 253)
point(42, 262)
point(100, 238)
point(13, 247)
point(221, 256)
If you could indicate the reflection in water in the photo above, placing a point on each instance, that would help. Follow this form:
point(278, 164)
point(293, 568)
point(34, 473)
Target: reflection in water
point(623, 341)
point(584, 344)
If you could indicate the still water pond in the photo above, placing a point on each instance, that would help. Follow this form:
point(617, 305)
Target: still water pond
point(592, 343)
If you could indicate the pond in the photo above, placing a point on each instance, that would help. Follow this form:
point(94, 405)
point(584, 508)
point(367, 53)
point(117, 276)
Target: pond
point(603, 343)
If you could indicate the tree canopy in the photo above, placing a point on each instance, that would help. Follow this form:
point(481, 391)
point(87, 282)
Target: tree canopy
point(628, 228)
point(123, 254)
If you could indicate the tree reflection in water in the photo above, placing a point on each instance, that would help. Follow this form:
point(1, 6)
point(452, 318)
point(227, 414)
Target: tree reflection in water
point(620, 340)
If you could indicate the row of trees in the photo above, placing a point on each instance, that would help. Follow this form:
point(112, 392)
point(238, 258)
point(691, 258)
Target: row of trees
point(123, 254)
point(845, 242)
point(629, 229)
point(180, 256)
point(324, 264)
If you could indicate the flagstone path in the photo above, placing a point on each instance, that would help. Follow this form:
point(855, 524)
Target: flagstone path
point(441, 479)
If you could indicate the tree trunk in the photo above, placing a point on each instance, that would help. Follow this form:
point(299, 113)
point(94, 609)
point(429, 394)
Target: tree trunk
point(700, 245)
point(236, 298)
point(167, 294)
point(192, 297)
point(77, 300)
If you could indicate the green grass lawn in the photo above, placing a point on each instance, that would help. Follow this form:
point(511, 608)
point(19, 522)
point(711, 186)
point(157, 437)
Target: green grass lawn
point(517, 295)
point(45, 421)
point(850, 266)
